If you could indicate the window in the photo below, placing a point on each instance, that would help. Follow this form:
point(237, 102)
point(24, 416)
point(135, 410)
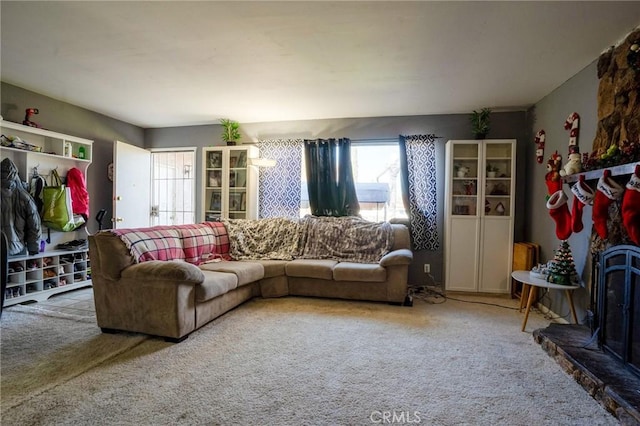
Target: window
point(376, 172)
point(172, 187)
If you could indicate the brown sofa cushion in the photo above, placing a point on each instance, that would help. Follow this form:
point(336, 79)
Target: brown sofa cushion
point(348, 271)
point(311, 268)
point(247, 272)
point(272, 268)
point(215, 284)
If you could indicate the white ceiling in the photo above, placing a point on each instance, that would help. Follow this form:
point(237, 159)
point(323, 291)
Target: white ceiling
point(178, 63)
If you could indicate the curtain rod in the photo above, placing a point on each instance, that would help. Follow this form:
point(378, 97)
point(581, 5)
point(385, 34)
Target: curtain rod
point(386, 139)
point(370, 140)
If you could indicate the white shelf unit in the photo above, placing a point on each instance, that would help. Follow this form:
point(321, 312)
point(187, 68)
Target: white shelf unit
point(230, 184)
point(40, 277)
point(479, 215)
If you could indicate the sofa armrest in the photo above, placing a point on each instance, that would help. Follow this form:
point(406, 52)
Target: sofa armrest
point(164, 270)
point(397, 257)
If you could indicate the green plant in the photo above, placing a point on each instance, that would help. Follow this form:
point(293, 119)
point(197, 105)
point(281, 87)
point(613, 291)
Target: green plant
point(491, 168)
point(480, 122)
point(230, 130)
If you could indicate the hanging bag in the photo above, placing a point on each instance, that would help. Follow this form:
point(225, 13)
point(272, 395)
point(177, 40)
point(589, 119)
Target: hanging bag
point(57, 211)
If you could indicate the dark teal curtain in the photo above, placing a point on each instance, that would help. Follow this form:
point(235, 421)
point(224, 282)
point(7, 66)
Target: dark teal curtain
point(332, 191)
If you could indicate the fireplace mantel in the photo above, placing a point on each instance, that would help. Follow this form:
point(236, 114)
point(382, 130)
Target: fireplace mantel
point(623, 169)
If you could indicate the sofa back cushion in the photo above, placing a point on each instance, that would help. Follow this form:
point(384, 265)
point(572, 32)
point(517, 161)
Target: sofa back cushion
point(155, 243)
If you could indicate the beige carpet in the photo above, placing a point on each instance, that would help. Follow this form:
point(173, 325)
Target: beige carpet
point(302, 361)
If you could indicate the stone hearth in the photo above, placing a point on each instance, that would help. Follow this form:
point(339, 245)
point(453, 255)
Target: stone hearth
point(602, 376)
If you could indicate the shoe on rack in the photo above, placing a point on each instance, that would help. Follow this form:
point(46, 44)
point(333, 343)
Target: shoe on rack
point(16, 267)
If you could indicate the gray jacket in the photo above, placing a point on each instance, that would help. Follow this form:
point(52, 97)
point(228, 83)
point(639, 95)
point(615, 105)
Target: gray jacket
point(20, 218)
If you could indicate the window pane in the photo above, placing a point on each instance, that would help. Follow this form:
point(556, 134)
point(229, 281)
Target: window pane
point(376, 172)
point(173, 187)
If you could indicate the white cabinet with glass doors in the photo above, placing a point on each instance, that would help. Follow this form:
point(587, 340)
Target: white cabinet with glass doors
point(479, 215)
point(230, 183)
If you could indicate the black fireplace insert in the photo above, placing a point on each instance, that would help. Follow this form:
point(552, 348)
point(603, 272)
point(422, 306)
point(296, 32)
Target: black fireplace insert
point(618, 304)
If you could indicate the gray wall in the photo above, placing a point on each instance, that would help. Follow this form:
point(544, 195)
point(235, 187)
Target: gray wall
point(510, 125)
point(66, 118)
point(578, 94)
point(69, 119)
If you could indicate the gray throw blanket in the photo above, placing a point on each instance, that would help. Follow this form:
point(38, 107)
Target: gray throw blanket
point(270, 238)
point(346, 239)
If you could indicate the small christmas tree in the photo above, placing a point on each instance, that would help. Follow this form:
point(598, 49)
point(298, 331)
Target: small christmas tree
point(563, 269)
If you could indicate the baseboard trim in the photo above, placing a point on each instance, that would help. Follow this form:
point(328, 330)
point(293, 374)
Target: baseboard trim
point(554, 317)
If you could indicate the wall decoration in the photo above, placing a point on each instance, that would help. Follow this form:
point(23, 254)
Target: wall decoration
point(552, 178)
point(573, 166)
point(631, 207)
point(559, 212)
point(572, 123)
point(539, 141)
point(583, 196)
point(608, 191)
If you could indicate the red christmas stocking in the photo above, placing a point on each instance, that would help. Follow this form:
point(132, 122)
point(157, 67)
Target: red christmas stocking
point(631, 207)
point(584, 195)
point(608, 191)
point(557, 205)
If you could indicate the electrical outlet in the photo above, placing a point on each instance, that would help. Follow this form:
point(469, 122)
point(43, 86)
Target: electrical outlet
point(427, 268)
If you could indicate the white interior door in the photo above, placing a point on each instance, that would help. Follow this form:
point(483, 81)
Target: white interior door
point(131, 186)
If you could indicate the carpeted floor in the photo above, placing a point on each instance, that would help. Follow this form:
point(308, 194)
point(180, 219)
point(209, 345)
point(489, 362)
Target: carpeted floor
point(294, 361)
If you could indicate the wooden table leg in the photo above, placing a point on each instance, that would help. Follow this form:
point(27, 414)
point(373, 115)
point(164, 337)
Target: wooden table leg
point(532, 296)
point(523, 295)
point(573, 309)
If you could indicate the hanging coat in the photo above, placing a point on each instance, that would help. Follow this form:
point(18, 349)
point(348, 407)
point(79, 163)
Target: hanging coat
point(20, 218)
point(79, 194)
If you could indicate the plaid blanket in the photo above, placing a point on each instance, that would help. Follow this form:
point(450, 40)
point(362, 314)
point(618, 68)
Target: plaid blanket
point(155, 243)
point(197, 243)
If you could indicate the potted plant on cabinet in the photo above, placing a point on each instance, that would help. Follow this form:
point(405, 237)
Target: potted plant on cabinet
point(480, 123)
point(230, 131)
point(491, 171)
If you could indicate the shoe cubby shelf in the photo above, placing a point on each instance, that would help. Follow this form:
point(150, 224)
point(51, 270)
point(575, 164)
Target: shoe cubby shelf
point(38, 277)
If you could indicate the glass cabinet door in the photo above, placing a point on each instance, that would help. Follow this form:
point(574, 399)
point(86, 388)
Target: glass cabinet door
point(464, 185)
point(213, 185)
point(498, 169)
point(237, 200)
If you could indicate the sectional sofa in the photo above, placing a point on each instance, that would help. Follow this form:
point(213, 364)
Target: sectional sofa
point(169, 281)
